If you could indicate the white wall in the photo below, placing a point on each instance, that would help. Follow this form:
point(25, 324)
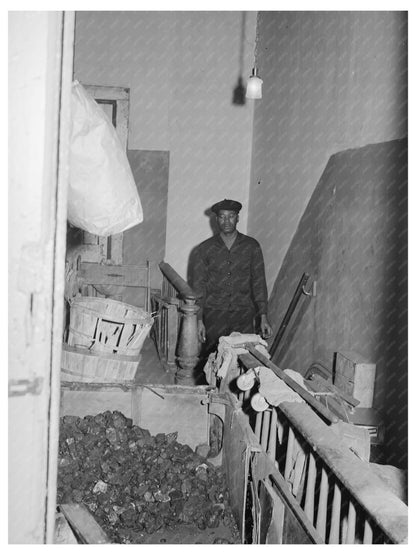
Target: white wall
point(332, 81)
point(181, 68)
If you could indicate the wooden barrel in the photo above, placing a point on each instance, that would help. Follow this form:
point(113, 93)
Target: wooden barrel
point(107, 326)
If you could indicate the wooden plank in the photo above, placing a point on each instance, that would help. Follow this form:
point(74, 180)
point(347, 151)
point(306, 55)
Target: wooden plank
point(63, 532)
point(327, 386)
point(84, 524)
point(102, 274)
point(248, 361)
point(294, 506)
point(356, 376)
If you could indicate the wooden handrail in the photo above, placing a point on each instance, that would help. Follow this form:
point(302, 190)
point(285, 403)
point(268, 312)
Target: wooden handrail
point(186, 348)
point(384, 507)
point(182, 287)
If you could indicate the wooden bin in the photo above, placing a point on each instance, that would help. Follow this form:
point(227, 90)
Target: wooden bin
point(81, 365)
point(108, 326)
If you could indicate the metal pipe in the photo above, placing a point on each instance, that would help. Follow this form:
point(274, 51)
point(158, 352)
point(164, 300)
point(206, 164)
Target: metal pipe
point(293, 303)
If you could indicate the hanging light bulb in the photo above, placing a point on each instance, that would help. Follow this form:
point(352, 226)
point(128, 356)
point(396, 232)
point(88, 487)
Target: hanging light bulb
point(254, 85)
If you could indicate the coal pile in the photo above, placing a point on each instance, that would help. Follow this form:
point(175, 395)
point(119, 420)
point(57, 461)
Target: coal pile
point(135, 483)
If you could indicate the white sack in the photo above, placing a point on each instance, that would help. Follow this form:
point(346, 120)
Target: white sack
point(102, 196)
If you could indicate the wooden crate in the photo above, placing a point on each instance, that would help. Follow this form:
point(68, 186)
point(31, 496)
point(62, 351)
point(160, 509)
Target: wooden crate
point(82, 365)
point(356, 376)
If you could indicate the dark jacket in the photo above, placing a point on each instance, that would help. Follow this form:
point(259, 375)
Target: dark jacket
point(229, 278)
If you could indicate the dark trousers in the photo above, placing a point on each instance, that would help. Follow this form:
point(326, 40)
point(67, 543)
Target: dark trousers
point(220, 322)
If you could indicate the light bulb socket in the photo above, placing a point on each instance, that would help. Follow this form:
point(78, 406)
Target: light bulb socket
point(254, 85)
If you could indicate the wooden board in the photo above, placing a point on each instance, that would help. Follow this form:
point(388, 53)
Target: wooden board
point(355, 376)
point(63, 532)
point(127, 276)
point(180, 410)
point(85, 527)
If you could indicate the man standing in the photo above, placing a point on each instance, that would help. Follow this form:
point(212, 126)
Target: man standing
point(227, 271)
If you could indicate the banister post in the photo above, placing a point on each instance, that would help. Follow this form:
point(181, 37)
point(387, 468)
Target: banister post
point(188, 345)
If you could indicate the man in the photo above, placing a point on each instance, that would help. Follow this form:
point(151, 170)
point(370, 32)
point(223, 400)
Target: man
point(227, 270)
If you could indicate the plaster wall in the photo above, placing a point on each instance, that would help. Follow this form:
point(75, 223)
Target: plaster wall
point(332, 81)
point(181, 68)
point(352, 240)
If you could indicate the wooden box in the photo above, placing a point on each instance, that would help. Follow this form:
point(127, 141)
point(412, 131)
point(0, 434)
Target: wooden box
point(355, 376)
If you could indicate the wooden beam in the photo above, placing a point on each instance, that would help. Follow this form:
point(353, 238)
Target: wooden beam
point(85, 527)
point(126, 276)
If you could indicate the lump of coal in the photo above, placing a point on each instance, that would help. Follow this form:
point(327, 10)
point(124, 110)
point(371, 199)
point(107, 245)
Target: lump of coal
point(135, 483)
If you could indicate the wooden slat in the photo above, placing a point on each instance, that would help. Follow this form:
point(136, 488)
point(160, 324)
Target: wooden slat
point(273, 435)
point(266, 429)
point(368, 533)
point(335, 516)
point(173, 331)
point(127, 276)
point(295, 507)
point(289, 453)
point(310, 488)
point(299, 471)
point(257, 430)
point(84, 524)
point(351, 523)
point(322, 504)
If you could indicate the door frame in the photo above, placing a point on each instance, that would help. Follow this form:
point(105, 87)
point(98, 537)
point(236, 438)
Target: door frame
point(40, 79)
point(63, 150)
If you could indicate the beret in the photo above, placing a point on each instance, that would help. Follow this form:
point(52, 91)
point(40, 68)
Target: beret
point(226, 204)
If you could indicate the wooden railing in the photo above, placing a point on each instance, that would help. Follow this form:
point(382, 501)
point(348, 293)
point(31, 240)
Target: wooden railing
point(176, 325)
point(335, 496)
point(342, 500)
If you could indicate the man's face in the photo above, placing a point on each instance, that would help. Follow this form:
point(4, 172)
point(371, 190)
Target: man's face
point(227, 221)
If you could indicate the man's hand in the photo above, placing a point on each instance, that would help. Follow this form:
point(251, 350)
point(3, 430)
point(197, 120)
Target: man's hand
point(265, 327)
point(201, 331)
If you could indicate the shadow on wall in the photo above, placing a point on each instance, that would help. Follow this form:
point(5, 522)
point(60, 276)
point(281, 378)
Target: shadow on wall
point(352, 239)
point(214, 228)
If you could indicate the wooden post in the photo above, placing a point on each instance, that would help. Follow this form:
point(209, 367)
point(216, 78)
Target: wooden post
point(188, 348)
